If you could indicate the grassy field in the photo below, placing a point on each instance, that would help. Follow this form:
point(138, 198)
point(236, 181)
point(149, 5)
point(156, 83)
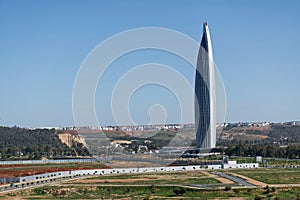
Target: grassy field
point(273, 176)
point(160, 175)
point(167, 185)
point(163, 178)
point(152, 192)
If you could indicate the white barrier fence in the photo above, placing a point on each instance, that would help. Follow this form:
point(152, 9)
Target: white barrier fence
point(26, 181)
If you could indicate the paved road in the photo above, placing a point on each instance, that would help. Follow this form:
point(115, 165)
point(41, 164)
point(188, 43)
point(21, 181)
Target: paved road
point(234, 178)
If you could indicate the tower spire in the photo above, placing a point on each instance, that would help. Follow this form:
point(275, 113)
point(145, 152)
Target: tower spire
point(205, 100)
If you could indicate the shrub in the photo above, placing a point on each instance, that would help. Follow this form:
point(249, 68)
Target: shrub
point(257, 197)
point(126, 190)
point(153, 189)
point(179, 191)
point(249, 191)
point(267, 190)
point(227, 188)
point(236, 191)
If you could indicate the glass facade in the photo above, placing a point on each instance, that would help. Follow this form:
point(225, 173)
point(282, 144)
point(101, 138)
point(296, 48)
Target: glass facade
point(205, 113)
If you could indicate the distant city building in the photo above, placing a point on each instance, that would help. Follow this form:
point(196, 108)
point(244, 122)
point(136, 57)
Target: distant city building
point(205, 99)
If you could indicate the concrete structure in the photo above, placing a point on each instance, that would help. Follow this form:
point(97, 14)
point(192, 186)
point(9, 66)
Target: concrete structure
point(258, 159)
point(205, 98)
point(46, 178)
point(234, 166)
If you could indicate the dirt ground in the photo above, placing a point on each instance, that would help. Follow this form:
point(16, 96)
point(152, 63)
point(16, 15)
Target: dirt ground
point(28, 170)
point(112, 180)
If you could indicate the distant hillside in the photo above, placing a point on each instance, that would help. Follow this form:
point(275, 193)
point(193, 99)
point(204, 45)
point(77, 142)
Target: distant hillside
point(20, 143)
point(275, 140)
point(275, 133)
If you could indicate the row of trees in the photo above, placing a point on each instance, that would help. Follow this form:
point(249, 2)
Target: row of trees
point(242, 149)
point(16, 143)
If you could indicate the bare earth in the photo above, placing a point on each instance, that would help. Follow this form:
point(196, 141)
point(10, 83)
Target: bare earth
point(111, 180)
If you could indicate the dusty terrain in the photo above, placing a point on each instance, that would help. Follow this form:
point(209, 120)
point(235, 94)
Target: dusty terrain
point(28, 170)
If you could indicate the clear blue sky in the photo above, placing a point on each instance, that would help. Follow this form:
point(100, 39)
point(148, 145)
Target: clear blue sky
point(43, 43)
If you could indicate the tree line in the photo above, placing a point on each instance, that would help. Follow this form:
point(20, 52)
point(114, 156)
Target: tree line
point(291, 151)
point(21, 143)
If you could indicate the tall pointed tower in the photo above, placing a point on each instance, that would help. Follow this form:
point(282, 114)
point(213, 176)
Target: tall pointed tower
point(205, 96)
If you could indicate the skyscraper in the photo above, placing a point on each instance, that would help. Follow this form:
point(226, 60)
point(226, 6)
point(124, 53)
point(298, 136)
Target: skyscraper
point(205, 98)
